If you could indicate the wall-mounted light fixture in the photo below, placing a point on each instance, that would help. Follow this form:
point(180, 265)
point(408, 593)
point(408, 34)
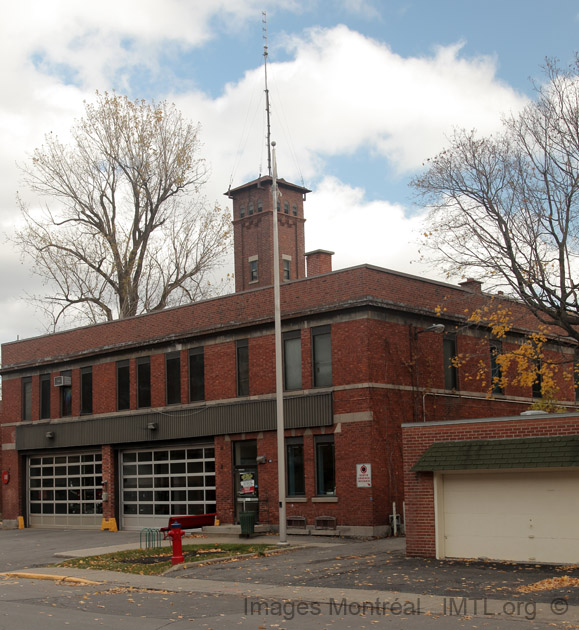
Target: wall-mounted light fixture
point(260, 459)
point(435, 328)
point(152, 426)
point(50, 435)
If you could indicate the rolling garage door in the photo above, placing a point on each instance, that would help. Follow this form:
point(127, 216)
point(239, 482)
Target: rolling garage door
point(529, 516)
point(163, 482)
point(65, 490)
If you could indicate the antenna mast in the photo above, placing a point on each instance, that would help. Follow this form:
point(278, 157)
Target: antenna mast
point(267, 109)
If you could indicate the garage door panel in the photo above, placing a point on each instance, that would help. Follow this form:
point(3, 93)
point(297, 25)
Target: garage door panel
point(529, 516)
point(481, 526)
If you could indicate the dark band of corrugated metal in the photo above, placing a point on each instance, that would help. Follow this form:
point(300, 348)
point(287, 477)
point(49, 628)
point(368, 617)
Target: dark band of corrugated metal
point(241, 417)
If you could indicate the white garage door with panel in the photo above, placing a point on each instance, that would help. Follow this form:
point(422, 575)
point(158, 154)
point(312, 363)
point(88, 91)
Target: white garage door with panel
point(162, 482)
point(506, 498)
point(525, 516)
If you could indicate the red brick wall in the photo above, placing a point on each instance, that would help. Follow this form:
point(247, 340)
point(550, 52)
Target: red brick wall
point(418, 487)
point(300, 297)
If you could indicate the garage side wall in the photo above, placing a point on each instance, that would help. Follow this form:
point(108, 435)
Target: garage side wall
point(419, 486)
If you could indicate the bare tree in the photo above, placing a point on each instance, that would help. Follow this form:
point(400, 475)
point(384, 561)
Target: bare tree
point(505, 209)
point(127, 230)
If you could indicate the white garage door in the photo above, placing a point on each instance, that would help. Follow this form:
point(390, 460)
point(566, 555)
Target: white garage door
point(163, 482)
point(65, 490)
point(531, 516)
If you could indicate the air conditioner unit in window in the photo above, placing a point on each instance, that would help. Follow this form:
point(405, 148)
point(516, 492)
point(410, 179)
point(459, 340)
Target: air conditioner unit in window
point(60, 381)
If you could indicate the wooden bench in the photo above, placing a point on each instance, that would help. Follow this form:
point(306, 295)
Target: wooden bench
point(189, 522)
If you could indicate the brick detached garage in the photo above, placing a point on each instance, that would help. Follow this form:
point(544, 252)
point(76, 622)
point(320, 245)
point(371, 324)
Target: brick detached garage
point(499, 488)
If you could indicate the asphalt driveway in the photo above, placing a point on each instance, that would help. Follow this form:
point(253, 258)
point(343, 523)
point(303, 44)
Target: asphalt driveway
point(382, 564)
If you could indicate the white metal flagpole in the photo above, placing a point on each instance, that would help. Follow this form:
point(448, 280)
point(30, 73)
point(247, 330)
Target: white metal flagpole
point(278, 363)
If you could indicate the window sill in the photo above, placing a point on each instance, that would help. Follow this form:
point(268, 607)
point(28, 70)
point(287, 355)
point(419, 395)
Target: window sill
point(324, 499)
point(296, 499)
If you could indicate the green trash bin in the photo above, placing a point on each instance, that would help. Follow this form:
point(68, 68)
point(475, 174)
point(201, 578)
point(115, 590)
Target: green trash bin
point(247, 522)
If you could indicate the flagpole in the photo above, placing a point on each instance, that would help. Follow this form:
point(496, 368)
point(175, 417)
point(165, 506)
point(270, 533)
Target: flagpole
point(278, 364)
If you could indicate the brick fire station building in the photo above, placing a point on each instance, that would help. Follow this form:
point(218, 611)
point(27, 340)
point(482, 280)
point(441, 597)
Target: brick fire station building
point(173, 412)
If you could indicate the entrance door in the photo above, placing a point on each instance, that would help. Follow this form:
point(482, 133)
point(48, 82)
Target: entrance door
point(245, 477)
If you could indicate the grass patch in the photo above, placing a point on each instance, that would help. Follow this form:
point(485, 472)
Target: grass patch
point(157, 560)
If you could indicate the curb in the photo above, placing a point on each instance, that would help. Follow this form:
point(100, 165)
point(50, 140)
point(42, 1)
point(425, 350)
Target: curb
point(245, 556)
point(47, 576)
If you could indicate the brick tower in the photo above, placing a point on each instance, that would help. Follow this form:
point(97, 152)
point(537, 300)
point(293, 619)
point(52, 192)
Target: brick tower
point(253, 231)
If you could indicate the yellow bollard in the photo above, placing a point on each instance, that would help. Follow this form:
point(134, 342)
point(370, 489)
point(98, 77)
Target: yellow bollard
point(110, 524)
point(20, 522)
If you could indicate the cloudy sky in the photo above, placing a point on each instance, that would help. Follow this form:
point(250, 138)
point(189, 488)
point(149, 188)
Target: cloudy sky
point(362, 92)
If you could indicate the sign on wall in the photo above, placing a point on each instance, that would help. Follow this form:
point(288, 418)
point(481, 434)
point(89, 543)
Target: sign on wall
point(364, 475)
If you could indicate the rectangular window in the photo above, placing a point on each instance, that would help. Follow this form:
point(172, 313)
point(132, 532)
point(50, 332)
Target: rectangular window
point(44, 396)
point(173, 377)
point(123, 385)
point(27, 398)
point(296, 484)
point(253, 277)
point(292, 360)
point(287, 269)
point(66, 396)
point(144, 382)
point(286, 207)
point(496, 349)
point(322, 356)
point(450, 371)
point(196, 374)
point(86, 390)
point(538, 382)
point(325, 465)
point(242, 367)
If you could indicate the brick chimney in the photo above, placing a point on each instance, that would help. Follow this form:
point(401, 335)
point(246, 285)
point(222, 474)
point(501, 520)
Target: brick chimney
point(319, 261)
point(472, 285)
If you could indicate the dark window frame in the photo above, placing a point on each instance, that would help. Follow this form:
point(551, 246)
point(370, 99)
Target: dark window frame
point(45, 386)
point(86, 391)
point(143, 382)
point(254, 270)
point(324, 450)
point(196, 374)
point(123, 385)
point(319, 375)
point(26, 388)
point(289, 338)
point(537, 386)
point(242, 367)
point(449, 352)
point(496, 348)
point(66, 396)
point(295, 467)
point(173, 378)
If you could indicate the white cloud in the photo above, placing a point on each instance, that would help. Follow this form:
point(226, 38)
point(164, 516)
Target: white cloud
point(340, 219)
point(339, 93)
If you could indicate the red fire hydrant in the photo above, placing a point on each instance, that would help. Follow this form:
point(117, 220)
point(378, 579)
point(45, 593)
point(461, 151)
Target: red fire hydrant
point(176, 533)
